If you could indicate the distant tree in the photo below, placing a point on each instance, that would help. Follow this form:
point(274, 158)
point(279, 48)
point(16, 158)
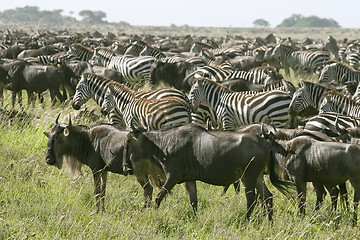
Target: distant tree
point(297, 20)
point(261, 23)
point(291, 21)
point(92, 17)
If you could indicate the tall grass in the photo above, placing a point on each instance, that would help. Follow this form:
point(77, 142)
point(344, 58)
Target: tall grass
point(38, 201)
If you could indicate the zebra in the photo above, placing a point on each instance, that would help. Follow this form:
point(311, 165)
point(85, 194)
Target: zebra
point(132, 68)
point(325, 123)
point(217, 74)
point(84, 53)
point(309, 61)
point(339, 103)
point(151, 114)
point(339, 72)
point(135, 48)
point(308, 94)
point(259, 75)
point(353, 59)
point(94, 86)
point(234, 109)
point(154, 52)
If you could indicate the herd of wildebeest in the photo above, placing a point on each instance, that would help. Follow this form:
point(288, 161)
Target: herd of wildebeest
point(217, 110)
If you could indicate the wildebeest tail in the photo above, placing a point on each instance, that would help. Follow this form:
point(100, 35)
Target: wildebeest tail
point(284, 187)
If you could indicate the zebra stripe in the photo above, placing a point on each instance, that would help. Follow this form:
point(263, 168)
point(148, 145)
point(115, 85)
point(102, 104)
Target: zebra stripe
point(234, 109)
point(94, 86)
point(325, 123)
point(339, 72)
point(132, 68)
point(339, 103)
point(84, 53)
point(308, 94)
point(309, 61)
point(150, 114)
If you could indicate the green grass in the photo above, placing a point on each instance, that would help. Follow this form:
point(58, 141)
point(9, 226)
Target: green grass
point(38, 201)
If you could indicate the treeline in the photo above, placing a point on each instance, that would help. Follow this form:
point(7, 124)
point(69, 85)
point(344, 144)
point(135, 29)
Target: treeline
point(32, 14)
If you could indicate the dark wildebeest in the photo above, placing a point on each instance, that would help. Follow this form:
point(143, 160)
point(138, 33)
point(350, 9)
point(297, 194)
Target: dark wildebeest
point(171, 74)
point(325, 163)
point(38, 79)
point(100, 147)
point(3, 79)
point(45, 50)
point(189, 153)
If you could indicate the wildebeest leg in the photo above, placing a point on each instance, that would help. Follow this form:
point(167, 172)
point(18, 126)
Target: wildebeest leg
point(265, 194)
point(301, 196)
point(191, 188)
point(320, 194)
point(236, 187)
point(31, 98)
point(344, 195)
point(169, 184)
point(148, 190)
point(100, 187)
point(334, 193)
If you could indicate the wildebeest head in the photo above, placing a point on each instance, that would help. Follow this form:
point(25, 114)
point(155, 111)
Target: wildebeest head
point(137, 141)
point(60, 140)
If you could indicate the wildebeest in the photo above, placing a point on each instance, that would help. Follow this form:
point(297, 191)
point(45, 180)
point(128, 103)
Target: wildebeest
point(100, 147)
point(36, 78)
point(190, 152)
point(325, 163)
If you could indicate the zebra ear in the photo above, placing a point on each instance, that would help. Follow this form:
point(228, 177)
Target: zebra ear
point(301, 83)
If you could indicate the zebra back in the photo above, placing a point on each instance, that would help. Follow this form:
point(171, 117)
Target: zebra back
point(150, 114)
point(84, 53)
point(339, 103)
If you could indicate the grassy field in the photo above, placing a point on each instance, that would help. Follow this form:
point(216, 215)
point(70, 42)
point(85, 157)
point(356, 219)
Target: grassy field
point(38, 201)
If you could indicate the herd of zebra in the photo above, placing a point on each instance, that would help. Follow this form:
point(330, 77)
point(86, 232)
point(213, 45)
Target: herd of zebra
point(220, 83)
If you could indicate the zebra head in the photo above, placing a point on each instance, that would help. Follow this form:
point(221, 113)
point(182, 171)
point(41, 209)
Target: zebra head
point(82, 94)
point(300, 99)
point(197, 93)
point(326, 74)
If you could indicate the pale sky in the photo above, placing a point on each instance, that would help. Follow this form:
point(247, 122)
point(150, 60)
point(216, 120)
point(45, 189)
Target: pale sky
point(224, 13)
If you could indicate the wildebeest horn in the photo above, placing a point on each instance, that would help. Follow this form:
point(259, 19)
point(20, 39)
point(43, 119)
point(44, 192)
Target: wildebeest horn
point(57, 119)
point(69, 120)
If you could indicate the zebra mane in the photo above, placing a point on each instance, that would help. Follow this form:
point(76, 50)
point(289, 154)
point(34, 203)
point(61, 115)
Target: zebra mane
point(94, 77)
point(79, 46)
point(118, 87)
point(343, 66)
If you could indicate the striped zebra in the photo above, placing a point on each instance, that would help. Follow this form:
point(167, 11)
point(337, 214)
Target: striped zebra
point(135, 48)
point(308, 94)
point(259, 75)
point(353, 59)
point(234, 109)
point(132, 68)
point(217, 74)
point(154, 52)
point(94, 86)
point(339, 103)
point(308, 61)
point(84, 53)
point(150, 114)
point(325, 123)
point(339, 72)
